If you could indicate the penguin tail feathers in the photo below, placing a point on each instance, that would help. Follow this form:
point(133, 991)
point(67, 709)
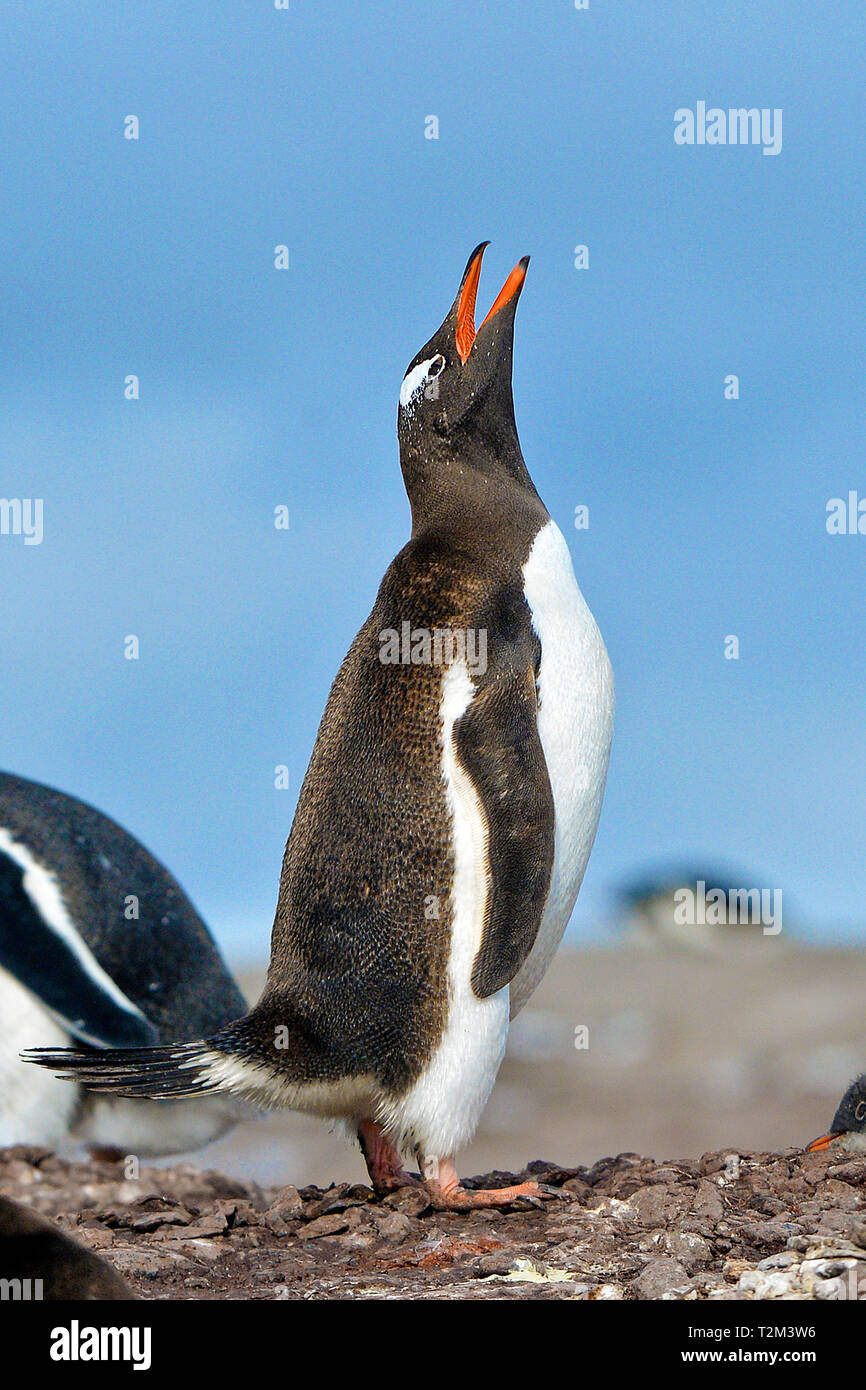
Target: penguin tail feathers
point(160, 1073)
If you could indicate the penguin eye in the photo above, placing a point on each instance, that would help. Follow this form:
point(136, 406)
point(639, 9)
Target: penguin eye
point(860, 1112)
point(421, 380)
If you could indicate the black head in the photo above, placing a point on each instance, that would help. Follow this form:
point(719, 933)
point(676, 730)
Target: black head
point(850, 1118)
point(456, 413)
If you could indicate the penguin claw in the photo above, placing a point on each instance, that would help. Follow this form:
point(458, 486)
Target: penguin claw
point(394, 1182)
point(555, 1193)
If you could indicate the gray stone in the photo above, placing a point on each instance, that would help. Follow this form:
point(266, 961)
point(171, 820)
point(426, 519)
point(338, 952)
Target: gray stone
point(661, 1276)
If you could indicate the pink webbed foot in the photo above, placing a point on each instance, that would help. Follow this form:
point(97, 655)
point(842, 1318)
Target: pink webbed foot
point(384, 1164)
point(446, 1193)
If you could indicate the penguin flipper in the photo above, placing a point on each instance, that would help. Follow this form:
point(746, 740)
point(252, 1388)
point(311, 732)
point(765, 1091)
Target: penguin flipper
point(58, 967)
point(499, 747)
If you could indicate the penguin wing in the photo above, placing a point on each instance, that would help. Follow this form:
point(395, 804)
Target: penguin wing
point(43, 952)
point(499, 747)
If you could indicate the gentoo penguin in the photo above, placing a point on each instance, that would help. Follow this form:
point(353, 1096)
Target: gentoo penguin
point(848, 1130)
point(47, 1264)
point(450, 805)
point(98, 945)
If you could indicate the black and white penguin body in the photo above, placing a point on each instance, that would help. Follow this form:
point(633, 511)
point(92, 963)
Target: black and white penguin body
point(98, 945)
point(449, 809)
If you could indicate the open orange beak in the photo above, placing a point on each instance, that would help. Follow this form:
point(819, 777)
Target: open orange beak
point(466, 330)
point(823, 1142)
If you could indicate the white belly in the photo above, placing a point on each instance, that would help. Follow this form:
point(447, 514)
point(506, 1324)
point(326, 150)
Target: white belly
point(35, 1108)
point(575, 721)
point(440, 1112)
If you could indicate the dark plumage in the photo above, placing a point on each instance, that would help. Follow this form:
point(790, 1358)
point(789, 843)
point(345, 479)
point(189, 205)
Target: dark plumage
point(38, 1260)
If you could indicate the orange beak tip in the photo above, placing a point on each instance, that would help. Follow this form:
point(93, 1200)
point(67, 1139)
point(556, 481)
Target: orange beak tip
point(465, 334)
point(511, 289)
point(823, 1142)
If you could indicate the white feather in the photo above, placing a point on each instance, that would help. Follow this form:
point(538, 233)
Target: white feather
point(35, 1107)
point(440, 1112)
point(575, 723)
point(41, 887)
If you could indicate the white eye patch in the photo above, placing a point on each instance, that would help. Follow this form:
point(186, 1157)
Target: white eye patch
point(414, 379)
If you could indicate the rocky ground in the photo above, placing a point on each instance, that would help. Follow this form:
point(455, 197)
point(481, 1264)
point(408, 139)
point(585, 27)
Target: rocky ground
point(726, 1226)
point(688, 1051)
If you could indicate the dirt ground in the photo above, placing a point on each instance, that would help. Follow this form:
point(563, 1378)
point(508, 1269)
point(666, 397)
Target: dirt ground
point(726, 1226)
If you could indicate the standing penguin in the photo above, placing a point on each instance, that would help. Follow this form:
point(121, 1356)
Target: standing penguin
point(449, 809)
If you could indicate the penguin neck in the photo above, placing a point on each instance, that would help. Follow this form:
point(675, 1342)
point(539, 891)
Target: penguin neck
point(464, 478)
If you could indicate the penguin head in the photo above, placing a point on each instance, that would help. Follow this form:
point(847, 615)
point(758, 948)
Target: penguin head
point(455, 400)
point(849, 1122)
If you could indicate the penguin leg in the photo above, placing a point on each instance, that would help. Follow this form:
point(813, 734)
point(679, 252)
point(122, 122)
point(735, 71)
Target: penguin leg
point(443, 1184)
point(384, 1164)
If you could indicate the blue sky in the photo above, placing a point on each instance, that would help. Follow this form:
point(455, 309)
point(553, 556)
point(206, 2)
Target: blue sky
point(262, 387)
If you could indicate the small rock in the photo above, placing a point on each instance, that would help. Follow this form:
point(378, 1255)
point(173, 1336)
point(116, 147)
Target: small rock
point(214, 1223)
point(337, 1199)
point(852, 1172)
point(202, 1249)
point(496, 1262)
point(395, 1227)
point(661, 1276)
point(657, 1205)
point(287, 1205)
point(330, 1225)
point(95, 1237)
point(152, 1220)
point(690, 1250)
point(412, 1201)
